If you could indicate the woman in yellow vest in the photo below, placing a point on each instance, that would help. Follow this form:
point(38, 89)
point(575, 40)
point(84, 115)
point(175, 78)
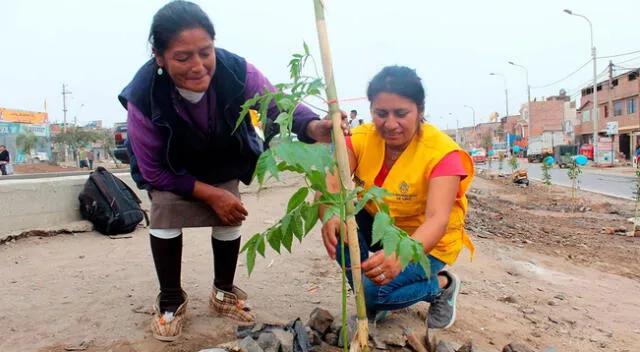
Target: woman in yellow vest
point(427, 175)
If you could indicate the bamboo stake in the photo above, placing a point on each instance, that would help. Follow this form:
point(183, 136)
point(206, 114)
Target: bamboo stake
point(362, 335)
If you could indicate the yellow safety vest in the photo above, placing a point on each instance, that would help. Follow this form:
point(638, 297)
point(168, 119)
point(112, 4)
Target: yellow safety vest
point(408, 183)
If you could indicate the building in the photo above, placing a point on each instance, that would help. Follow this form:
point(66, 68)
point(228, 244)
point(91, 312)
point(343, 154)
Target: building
point(547, 114)
point(16, 122)
point(617, 102)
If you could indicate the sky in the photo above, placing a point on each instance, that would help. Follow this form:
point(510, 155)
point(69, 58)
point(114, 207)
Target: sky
point(95, 47)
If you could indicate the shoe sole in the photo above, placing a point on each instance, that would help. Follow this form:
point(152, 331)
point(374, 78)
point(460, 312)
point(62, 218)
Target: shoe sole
point(455, 300)
point(238, 322)
point(166, 338)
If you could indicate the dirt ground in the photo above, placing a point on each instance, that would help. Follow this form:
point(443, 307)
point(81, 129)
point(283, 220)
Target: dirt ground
point(540, 276)
point(43, 168)
point(40, 168)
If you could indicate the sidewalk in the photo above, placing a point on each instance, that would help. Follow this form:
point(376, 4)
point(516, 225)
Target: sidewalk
point(628, 171)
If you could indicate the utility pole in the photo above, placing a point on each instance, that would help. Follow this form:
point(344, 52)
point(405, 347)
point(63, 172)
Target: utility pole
point(65, 92)
point(594, 118)
point(612, 112)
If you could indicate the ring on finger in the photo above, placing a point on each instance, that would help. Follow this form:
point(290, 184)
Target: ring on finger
point(381, 277)
point(379, 270)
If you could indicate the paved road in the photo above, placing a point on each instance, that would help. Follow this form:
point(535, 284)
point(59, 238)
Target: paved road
point(599, 182)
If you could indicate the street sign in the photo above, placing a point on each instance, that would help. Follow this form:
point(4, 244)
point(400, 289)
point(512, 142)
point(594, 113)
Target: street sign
point(612, 128)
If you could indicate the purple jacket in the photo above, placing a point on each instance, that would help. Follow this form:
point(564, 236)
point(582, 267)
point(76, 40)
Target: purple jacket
point(147, 142)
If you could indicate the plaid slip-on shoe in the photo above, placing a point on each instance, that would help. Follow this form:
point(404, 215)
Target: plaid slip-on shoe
point(230, 304)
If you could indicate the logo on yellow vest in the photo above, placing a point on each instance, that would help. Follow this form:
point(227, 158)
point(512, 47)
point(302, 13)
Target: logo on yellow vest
point(404, 187)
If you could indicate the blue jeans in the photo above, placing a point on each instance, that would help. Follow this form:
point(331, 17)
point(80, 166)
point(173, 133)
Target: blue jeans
point(408, 288)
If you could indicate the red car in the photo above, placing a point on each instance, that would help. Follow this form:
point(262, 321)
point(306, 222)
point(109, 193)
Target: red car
point(479, 155)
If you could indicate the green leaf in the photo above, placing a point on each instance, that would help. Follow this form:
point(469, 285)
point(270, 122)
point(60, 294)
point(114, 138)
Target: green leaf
point(381, 224)
point(390, 242)
point(310, 216)
point(330, 212)
point(286, 104)
point(287, 239)
point(306, 48)
point(274, 237)
point(260, 246)
point(375, 194)
point(297, 198)
point(296, 226)
point(250, 103)
point(317, 179)
point(405, 251)
point(251, 261)
point(421, 258)
point(266, 163)
point(284, 223)
point(251, 248)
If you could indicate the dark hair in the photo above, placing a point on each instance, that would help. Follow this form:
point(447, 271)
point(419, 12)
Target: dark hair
point(172, 19)
point(400, 80)
point(354, 112)
point(3, 146)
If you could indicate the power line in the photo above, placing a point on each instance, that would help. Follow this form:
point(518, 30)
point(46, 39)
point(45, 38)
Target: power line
point(631, 59)
point(617, 55)
point(564, 78)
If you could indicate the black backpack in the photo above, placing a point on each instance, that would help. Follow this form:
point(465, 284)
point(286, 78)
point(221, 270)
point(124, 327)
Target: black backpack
point(110, 204)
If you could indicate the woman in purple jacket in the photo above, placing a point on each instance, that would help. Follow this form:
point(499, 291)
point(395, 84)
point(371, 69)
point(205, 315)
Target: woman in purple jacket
point(182, 107)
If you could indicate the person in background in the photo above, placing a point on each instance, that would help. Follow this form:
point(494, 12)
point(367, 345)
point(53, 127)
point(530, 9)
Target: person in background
point(182, 107)
point(90, 158)
point(427, 176)
point(82, 158)
point(4, 159)
point(353, 119)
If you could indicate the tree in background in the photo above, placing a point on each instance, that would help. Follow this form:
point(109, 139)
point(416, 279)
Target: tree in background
point(27, 143)
point(74, 138)
point(546, 174)
point(486, 141)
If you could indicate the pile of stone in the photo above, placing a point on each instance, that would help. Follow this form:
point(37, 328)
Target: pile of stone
point(324, 333)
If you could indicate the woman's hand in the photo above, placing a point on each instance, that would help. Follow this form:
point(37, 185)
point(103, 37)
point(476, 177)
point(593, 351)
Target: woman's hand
point(380, 269)
point(320, 130)
point(331, 234)
point(228, 207)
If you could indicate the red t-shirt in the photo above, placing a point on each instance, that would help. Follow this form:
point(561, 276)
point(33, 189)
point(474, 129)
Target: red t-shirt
point(450, 165)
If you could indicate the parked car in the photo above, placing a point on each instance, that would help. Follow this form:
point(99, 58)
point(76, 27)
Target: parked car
point(479, 155)
point(120, 152)
point(563, 154)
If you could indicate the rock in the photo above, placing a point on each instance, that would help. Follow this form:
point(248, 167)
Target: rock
point(268, 342)
point(335, 326)
point(331, 338)
point(250, 345)
point(320, 320)
point(214, 350)
point(549, 349)
point(444, 347)
point(315, 339)
point(352, 327)
point(467, 347)
point(516, 347)
point(394, 338)
point(285, 338)
point(509, 299)
point(560, 297)
point(552, 303)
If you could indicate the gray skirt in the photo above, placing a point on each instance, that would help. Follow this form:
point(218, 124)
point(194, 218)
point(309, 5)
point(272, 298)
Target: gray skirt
point(172, 211)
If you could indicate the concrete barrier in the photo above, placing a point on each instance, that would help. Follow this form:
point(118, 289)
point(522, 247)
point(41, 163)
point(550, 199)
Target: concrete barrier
point(45, 202)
